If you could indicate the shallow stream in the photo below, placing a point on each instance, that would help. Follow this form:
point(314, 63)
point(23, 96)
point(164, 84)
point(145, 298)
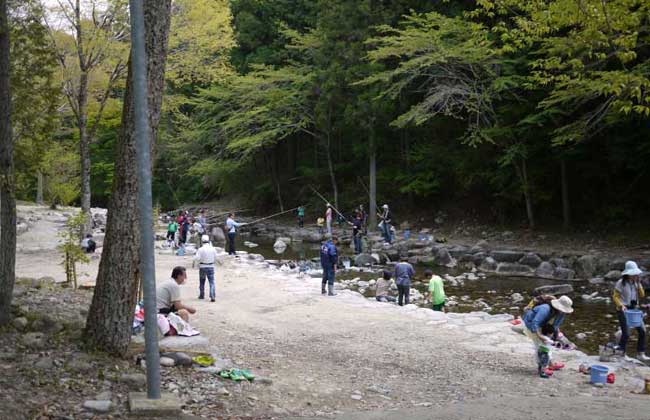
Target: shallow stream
point(595, 319)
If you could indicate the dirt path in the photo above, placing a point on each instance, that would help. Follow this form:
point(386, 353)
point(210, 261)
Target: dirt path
point(350, 358)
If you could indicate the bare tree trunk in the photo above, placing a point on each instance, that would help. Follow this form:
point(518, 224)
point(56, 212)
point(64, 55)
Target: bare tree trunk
point(7, 181)
point(39, 187)
point(372, 151)
point(566, 205)
point(522, 172)
point(84, 151)
point(108, 326)
point(328, 152)
point(272, 164)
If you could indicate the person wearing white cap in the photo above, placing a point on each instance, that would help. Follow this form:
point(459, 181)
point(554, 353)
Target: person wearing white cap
point(537, 317)
point(627, 294)
point(385, 223)
point(206, 256)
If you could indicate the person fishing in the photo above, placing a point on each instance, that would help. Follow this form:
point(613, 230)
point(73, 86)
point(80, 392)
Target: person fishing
point(364, 218)
point(301, 216)
point(385, 217)
point(627, 295)
point(328, 219)
point(231, 227)
point(357, 232)
point(328, 261)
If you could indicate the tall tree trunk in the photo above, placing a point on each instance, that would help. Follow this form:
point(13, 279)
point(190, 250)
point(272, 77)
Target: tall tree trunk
point(273, 165)
point(566, 205)
point(7, 180)
point(522, 172)
point(372, 151)
point(328, 152)
point(39, 187)
point(108, 326)
point(84, 150)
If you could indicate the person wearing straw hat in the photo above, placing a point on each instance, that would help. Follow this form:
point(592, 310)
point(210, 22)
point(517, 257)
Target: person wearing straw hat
point(534, 319)
point(627, 294)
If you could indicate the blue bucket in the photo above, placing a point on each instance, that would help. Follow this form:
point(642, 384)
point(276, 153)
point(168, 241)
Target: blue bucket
point(634, 318)
point(599, 374)
point(407, 234)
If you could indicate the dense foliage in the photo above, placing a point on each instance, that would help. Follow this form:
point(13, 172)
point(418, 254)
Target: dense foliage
point(515, 110)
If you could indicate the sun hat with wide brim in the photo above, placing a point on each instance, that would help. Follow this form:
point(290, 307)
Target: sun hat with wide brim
point(564, 304)
point(631, 269)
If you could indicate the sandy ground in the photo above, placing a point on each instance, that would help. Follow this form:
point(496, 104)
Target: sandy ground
point(350, 358)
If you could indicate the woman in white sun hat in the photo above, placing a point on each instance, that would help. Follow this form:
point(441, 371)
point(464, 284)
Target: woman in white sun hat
point(627, 294)
point(535, 319)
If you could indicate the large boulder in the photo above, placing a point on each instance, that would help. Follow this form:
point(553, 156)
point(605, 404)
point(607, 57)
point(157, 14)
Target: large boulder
point(507, 256)
point(586, 266)
point(513, 269)
point(545, 270)
point(488, 264)
point(531, 260)
point(458, 250)
point(444, 258)
point(555, 289)
point(613, 275)
point(364, 259)
point(218, 236)
point(564, 273)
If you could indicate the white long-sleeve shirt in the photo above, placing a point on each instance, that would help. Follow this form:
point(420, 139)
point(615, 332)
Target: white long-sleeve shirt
point(206, 255)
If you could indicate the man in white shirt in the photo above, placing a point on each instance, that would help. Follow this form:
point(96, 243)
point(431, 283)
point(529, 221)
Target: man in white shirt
point(231, 227)
point(168, 295)
point(206, 256)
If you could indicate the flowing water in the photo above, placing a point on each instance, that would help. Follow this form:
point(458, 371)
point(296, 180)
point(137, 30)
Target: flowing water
point(595, 319)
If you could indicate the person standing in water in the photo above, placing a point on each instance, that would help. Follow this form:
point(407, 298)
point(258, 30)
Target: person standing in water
point(627, 295)
point(301, 216)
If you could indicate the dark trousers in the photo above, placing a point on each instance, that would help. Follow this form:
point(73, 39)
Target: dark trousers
point(357, 244)
point(301, 221)
point(231, 243)
point(404, 292)
point(170, 235)
point(387, 233)
point(206, 272)
point(328, 275)
point(625, 336)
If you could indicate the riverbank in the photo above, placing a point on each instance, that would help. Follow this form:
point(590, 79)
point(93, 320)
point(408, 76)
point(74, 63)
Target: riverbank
point(335, 357)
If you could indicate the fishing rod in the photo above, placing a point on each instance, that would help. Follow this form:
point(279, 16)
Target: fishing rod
point(363, 184)
point(273, 215)
point(216, 216)
point(328, 203)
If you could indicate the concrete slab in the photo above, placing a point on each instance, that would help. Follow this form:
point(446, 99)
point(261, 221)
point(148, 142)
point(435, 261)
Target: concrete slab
point(168, 406)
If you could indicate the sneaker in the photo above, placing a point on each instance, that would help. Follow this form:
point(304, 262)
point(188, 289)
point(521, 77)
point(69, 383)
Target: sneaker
point(201, 297)
point(211, 300)
point(642, 357)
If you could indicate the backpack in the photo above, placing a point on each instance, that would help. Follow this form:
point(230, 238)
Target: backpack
point(540, 300)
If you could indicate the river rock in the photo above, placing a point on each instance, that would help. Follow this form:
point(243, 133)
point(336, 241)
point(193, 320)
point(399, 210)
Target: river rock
point(586, 266)
point(531, 259)
point(613, 275)
point(596, 280)
point(581, 336)
point(545, 270)
point(507, 256)
point(167, 362)
point(443, 257)
point(279, 244)
point(516, 297)
point(365, 259)
point(98, 406)
point(180, 358)
point(45, 363)
point(488, 264)
point(618, 264)
point(134, 381)
point(19, 323)
point(563, 273)
point(559, 262)
point(218, 236)
point(556, 289)
point(34, 340)
point(284, 239)
point(513, 269)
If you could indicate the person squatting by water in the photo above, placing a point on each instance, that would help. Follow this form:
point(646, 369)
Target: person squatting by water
point(404, 272)
point(627, 295)
point(535, 318)
point(231, 227)
point(383, 288)
point(328, 261)
point(206, 256)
